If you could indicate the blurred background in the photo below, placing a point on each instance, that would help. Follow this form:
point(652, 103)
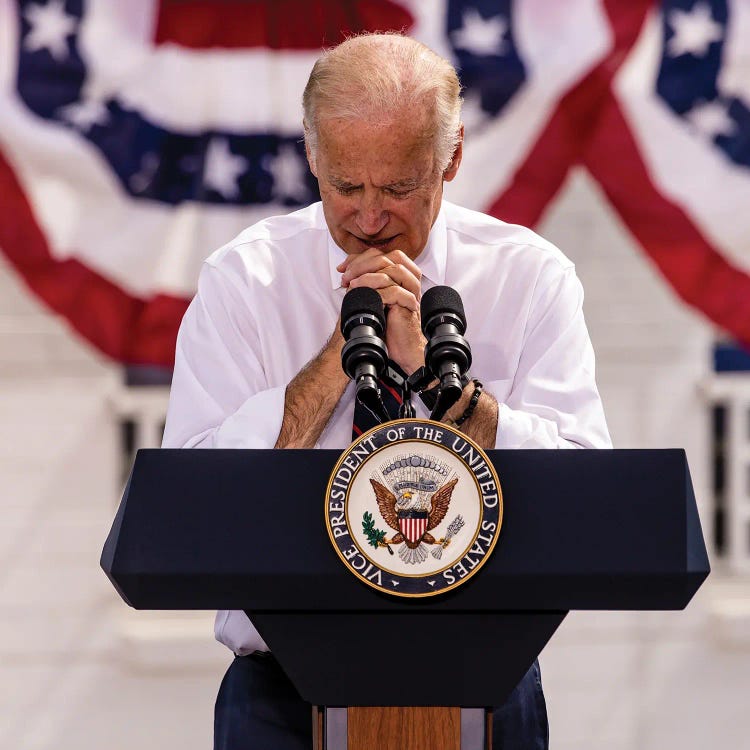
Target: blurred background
point(136, 137)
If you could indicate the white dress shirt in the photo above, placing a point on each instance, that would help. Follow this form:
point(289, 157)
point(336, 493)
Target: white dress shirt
point(268, 301)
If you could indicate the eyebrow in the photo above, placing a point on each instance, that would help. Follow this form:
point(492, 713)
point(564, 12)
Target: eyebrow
point(410, 183)
point(399, 185)
point(340, 182)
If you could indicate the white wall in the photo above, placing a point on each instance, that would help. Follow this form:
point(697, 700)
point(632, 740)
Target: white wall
point(652, 351)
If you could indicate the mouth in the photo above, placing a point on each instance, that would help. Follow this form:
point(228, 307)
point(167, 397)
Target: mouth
point(375, 243)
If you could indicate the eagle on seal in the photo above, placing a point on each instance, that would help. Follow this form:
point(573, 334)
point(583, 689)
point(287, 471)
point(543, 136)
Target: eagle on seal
point(398, 511)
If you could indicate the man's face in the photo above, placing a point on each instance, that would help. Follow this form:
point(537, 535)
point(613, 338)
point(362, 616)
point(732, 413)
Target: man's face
point(379, 182)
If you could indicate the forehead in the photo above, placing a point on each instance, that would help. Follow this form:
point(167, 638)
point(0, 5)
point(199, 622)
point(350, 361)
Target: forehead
point(395, 149)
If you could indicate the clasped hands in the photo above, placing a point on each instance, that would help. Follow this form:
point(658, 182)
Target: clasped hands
point(397, 278)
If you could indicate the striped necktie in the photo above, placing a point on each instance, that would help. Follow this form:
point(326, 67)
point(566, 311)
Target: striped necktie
point(390, 383)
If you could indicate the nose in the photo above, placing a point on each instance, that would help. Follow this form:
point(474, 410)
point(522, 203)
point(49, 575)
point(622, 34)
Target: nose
point(371, 216)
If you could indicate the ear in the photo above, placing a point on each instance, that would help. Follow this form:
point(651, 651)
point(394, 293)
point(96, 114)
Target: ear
point(308, 152)
point(455, 162)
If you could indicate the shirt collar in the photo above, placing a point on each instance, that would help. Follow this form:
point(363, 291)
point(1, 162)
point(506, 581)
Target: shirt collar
point(431, 261)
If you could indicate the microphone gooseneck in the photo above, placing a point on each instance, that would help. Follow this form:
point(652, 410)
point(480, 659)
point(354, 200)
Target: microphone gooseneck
point(364, 356)
point(447, 354)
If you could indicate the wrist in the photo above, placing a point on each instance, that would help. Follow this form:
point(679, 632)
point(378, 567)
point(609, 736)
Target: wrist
point(411, 366)
point(464, 408)
point(409, 361)
point(428, 387)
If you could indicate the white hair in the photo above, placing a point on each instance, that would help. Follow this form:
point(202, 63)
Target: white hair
point(377, 75)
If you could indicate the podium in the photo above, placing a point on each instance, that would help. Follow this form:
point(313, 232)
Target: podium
point(234, 529)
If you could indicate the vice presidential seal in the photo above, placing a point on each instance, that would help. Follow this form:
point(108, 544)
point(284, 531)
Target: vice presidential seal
point(414, 508)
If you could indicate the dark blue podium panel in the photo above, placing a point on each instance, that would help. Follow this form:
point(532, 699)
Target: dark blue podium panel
point(230, 529)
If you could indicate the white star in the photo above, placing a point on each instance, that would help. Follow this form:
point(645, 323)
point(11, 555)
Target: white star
point(288, 171)
point(50, 26)
point(85, 114)
point(693, 31)
point(222, 168)
point(481, 36)
point(395, 583)
point(712, 119)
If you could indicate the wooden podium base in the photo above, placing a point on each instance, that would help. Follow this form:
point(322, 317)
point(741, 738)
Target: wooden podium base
point(401, 728)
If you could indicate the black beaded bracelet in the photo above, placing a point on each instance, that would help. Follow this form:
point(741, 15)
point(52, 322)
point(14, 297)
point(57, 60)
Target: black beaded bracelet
point(478, 388)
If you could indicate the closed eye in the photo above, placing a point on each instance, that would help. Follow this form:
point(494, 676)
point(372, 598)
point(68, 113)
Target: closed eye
point(398, 193)
point(345, 189)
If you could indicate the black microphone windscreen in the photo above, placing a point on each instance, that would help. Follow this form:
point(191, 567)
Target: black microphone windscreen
point(441, 299)
point(361, 300)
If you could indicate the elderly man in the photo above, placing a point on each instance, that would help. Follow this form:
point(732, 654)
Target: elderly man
point(258, 354)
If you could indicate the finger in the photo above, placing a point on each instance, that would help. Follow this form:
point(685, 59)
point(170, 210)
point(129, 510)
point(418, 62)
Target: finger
point(397, 295)
point(373, 259)
point(391, 293)
point(400, 274)
point(388, 276)
point(402, 259)
point(341, 267)
point(367, 262)
point(370, 252)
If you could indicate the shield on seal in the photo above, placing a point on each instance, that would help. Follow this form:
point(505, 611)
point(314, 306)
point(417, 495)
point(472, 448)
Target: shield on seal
point(413, 524)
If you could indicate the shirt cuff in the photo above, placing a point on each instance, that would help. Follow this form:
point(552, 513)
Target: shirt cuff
point(256, 424)
point(521, 429)
point(233, 629)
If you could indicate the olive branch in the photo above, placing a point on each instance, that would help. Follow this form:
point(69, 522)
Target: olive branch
point(375, 537)
point(456, 525)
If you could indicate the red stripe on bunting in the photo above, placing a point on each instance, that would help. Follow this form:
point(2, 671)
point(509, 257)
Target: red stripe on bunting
point(588, 127)
point(127, 328)
point(697, 272)
point(274, 24)
point(700, 275)
point(574, 121)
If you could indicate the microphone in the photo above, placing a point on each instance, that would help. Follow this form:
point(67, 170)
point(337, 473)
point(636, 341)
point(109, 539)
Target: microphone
point(447, 354)
point(364, 356)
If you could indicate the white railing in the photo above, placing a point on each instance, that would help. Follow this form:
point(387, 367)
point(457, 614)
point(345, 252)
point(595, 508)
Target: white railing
point(157, 638)
point(146, 407)
point(732, 391)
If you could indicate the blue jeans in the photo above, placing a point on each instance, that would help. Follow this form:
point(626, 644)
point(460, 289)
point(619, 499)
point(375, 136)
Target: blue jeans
point(258, 709)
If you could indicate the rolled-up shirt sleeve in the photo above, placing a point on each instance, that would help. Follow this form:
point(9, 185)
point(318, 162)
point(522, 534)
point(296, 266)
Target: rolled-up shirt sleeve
point(553, 401)
point(220, 395)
